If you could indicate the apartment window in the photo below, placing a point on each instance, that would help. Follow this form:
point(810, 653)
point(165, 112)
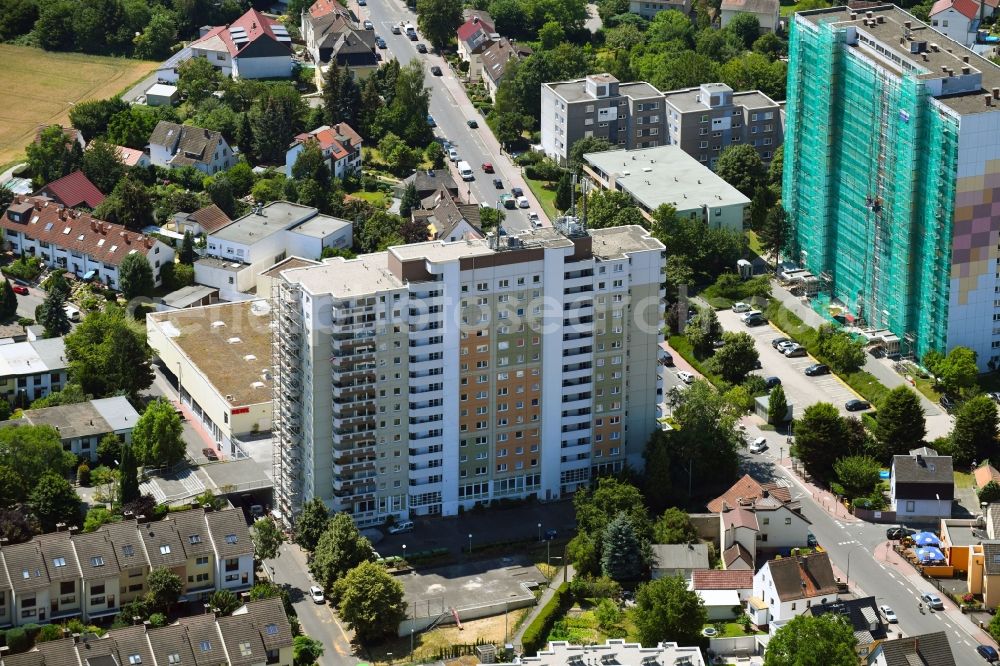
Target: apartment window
point(201, 561)
point(98, 561)
point(59, 562)
point(753, 117)
point(97, 589)
point(232, 564)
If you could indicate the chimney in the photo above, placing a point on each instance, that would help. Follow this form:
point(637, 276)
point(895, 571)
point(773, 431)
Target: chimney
point(965, 59)
point(17, 198)
point(60, 527)
point(944, 69)
point(881, 19)
point(128, 515)
point(966, 69)
point(854, 16)
point(73, 529)
point(869, 14)
point(996, 93)
point(989, 102)
point(146, 624)
point(62, 212)
point(907, 24)
point(141, 518)
point(38, 204)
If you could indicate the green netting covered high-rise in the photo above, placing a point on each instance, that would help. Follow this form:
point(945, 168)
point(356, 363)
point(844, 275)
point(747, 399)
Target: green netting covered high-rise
point(892, 164)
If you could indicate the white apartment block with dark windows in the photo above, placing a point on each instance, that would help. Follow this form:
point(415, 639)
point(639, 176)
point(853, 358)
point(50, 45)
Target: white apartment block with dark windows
point(438, 376)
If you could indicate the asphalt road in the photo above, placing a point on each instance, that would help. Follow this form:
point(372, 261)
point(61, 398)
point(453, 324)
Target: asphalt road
point(451, 109)
point(26, 304)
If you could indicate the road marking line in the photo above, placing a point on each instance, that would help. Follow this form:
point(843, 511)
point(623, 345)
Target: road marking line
point(938, 616)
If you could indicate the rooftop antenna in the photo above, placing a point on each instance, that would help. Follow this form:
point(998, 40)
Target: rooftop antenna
point(572, 196)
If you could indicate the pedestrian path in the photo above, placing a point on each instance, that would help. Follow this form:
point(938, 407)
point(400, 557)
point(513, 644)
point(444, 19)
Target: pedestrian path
point(557, 578)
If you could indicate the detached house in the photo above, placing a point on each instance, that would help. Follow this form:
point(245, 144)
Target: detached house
point(332, 35)
point(957, 19)
point(923, 650)
point(450, 220)
point(767, 12)
point(720, 591)
point(863, 616)
point(73, 190)
point(82, 425)
point(173, 146)
point(495, 61)
point(473, 37)
point(90, 248)
point(340, 145)
point(251, 47)
point(922, 485)
point(788, 586)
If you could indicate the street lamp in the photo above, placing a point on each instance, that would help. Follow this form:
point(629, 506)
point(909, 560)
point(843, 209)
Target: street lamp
point(411, 643)
point(539, 531)
point(404, 552)
point(470, 543)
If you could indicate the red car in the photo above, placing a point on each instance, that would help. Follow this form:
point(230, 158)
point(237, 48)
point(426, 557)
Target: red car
point(488, 167)
point(20, 289)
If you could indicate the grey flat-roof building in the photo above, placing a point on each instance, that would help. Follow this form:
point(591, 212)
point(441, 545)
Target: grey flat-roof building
point(706, 120)
point(82, 425)
point(630, 115)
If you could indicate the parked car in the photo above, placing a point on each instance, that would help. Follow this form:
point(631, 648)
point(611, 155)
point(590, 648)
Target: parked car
point(756, 320)
point(932, 600)
point(369, 25)
point(771, 382)
point(811, 540)
point(752, 313)
point(435, 70)
point(947, 403)
point(685, 376)
point(431, 121)
point(994, 394)
point(517, 191)
point(362, 3)
point(522, 202)
point(786, 345)
point(452, 154)
point(897, 532)
point(379, 42)
point(497, 183)
point(210, 454)
point(741, 307)
point(396, 30)
point(795, 352)
point(888, 614)
point(667, 359)
point(758, 445)
point(857, 405)
point(817, 369)
point(401, 527)
point(316, 593)
point(777, 342)
point(535, 221)
point(421, 48)
point(20, 289)
point(256, 511)
point(988, 652)
point(487, 167)
point(472, 123)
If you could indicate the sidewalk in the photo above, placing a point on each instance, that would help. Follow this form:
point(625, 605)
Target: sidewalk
point(562, 573)
point(824, 498)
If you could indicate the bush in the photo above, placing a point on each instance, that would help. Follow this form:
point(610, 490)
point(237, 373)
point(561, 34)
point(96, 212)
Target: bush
point(588, 587)
point(49, 632)
point(18, 640)
point(538, 631)
point(83, 474)
point(25, 268)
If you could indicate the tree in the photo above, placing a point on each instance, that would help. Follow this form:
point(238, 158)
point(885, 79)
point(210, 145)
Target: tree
point(667, 611)
point(703, 331)
point(400, 158)
point(859, 475)
point(311, 524)
point(409, 200)
point(588, 144)
point(267, 539)
point(52, 156)
point(187, 255)
point(674, 526)
point(197, 78)
point(818, 436)
point(129, 204)
point(746, 27)
point(564, 192)
point(622, 552)
point(989, 493)
point(491, 218)
point(774, 234)
point(53, 500)
point(225, 601)
point(740, 166)
point(438, 20)
point(157, 437)
point(974, 435)
point(610, 208)
point(434, 153)
point(551, 35)
point(220, 190)
point(306, 651)
point(164, 588)
point(273, 118)
point(17, 526)
point(371, 601)
point(900, 425)
point(706, 442)
point(92, 117)
point(311, 165)
point(777, 406)
point(827, 639)
point(52, 315)
point(845, 354)
point(97, 517)
point(737, 356)
point(102, 165)
point(158, 36)
point(135, 276)
point(340, 549)
point(8, 301)
point(955, 373)
point(128, 475)
point(507, 126)
point(28, 453)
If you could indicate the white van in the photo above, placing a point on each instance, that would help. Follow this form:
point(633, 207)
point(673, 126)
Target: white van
point(465, 170)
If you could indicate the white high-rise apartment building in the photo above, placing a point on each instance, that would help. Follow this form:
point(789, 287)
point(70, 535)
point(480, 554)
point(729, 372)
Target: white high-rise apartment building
point(440, 375)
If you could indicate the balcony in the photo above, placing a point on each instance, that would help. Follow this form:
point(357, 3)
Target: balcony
point(341, 437)
point(425, 342)
point(345, 455)
point(421, 436)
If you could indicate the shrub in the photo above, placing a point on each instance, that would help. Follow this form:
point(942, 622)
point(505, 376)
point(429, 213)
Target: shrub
point(83, 474)
point(18, 640)
point(538, 631)
point(50, 632)
point(25, 268)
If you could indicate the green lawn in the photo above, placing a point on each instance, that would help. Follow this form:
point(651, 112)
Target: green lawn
point(754, 244)
point(730, 629)
point(963, 480)
point(680, 344)
point(580, 626)
point(546, 194)
point(377, 199)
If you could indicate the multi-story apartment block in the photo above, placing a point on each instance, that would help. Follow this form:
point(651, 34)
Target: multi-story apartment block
point(441, 375)
point(892, 168)
point(647, 9)
point(706, 120)
point(256, 634)
point(68, 574)
point(630, 115)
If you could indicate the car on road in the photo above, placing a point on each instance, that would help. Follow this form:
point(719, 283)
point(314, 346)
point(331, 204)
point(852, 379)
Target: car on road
point(369, 25)
point(777, 342)
point(857, 405)
point(507, 201)
point(316, 593)
point(522, 202)
point(888, 614)
point(452, 154)
point(421, 48)
point(210, 454)
point(488, 167)
point(811, 540)
point(431, 121)
point(771, 382)
point(401, 527)
point(988, 652)
point(932, 600)
point(472, 123)
point(497, 183)
point(20, 289)
point(758, 445)
point(795, 352)
point(396, 30)
point(685, 376)
point(897, 532)
point(551, 534)
point(379, 42)
point(667, 359)
point(817, 369)
point(741, 307)
point(517, 191)
point(435, 70)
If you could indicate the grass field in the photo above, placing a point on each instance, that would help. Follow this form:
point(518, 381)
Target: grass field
point(43, 86)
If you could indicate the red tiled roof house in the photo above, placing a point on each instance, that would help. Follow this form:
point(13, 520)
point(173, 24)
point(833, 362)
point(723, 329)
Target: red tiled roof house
point(473, 37)
point(82, 244)
point(340, 144)
point(73, 190)
point(251, 47)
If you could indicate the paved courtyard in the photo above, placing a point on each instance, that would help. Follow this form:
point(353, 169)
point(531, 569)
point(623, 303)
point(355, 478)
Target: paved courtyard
point(435, 591)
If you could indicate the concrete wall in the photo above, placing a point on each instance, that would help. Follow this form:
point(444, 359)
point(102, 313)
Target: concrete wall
point(464, 614)
point(707, 526)
point(783, 529)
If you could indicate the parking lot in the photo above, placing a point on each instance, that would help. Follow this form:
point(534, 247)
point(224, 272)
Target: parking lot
point(800, 389)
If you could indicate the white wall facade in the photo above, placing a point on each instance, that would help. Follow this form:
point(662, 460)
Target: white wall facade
point(955, 25)
point(780, 612)
point(221, 60)
point(271, 67)
point(782, 528)
point(553, 133)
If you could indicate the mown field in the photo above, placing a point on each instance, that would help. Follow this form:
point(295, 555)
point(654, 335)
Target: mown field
point(40, 87)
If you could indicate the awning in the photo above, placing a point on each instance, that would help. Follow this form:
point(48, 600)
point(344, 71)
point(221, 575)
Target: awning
point(90, 275)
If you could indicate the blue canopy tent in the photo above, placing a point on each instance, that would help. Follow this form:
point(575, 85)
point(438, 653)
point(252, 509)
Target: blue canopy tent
point(926, 539)
point(930, 554)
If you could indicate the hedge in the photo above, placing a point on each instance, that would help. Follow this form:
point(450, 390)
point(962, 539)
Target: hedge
point(537, 633)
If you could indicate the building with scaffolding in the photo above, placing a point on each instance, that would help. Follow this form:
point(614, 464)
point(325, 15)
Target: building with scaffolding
point(443, 375)
point(892, 176)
